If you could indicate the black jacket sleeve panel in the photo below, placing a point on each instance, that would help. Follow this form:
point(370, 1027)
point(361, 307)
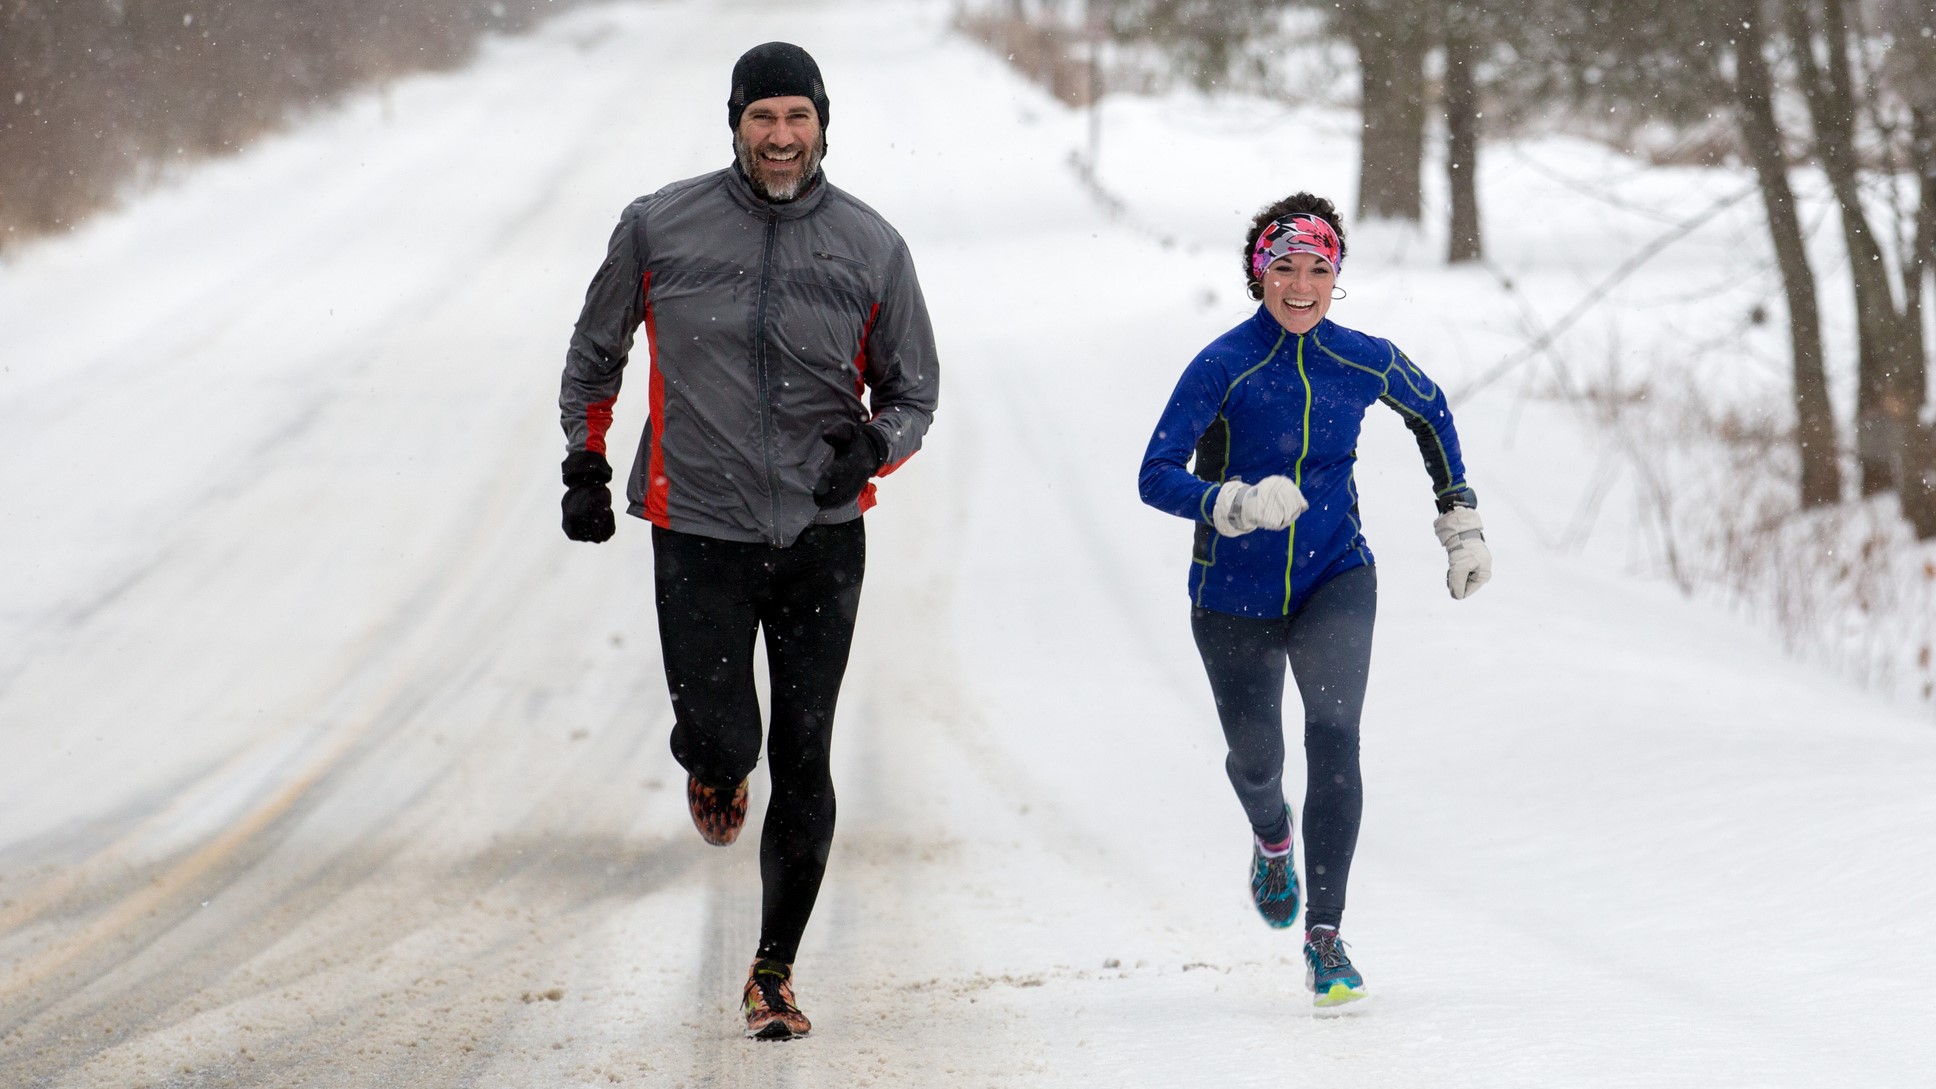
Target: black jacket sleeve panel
point(602, 340)
point(903, 374)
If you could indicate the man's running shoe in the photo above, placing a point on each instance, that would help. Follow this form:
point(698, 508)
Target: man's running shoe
point(770, 1012)
point(718, 813)
point(1336, 985)
point(1273, 882)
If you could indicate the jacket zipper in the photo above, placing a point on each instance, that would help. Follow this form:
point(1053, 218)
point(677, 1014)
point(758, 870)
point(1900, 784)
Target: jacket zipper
point(1297, 472)
point(766, 397)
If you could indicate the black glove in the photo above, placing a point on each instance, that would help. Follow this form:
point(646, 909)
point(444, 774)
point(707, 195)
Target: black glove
point(859, 452)
point(588, 502)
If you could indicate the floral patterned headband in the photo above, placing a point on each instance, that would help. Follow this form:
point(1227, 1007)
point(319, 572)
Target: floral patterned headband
point(1300, 233)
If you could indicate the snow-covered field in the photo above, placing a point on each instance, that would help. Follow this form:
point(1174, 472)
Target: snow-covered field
point(328, 761)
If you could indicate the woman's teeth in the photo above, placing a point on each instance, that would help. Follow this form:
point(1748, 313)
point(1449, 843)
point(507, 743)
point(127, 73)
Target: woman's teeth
point(1295, 305)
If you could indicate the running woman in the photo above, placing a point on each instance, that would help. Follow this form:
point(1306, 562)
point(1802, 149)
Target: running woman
point(1271, 411)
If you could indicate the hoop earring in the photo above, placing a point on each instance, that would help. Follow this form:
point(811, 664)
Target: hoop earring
point(1338, 293)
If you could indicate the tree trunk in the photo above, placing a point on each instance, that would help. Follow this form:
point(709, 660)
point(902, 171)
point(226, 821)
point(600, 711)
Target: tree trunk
point(1883, 349)
point(1461, 137)
point(1391, 65)
point(1916, 474)
point(1920, 261)
point(1814, 422)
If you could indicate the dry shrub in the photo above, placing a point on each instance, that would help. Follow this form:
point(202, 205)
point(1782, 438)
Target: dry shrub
point(1849, 586)
point(1078, 53)
point(1054, 57)
point(96, 95)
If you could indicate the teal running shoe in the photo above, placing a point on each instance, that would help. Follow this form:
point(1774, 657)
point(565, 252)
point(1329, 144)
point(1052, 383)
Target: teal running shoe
point(1273, 885)
point(1335, 985)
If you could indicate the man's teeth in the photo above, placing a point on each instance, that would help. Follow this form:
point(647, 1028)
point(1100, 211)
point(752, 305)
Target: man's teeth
point(781, 156)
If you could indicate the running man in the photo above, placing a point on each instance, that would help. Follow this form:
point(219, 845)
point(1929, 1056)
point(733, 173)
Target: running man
point(792, 361)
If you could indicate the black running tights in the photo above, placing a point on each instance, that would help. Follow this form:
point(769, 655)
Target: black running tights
point(1328, 645)
point(714, 597)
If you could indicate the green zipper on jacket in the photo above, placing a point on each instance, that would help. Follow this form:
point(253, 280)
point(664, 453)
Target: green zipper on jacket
point(1297, 474)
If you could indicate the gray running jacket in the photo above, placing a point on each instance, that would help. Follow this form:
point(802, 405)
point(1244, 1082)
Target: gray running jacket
point(766, 324)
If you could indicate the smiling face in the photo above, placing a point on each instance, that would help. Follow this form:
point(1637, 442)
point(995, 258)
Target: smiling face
point(779, 145)
point(1297, 290)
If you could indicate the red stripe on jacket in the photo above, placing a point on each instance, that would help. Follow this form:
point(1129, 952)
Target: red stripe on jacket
point(867, 498)
point(656, 485)
point(598, 420)
point(860, 357)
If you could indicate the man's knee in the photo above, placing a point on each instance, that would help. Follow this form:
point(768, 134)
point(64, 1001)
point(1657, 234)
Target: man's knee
point(717, 752)
point(801, 764)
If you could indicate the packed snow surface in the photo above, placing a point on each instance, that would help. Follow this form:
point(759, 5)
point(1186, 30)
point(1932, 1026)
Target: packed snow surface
point(328, 761)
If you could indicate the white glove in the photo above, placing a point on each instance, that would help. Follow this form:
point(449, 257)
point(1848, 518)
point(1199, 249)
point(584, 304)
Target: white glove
point(1272, 503)
point(1469, 560)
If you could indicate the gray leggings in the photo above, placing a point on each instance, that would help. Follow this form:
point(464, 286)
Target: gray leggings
point(1328, 645)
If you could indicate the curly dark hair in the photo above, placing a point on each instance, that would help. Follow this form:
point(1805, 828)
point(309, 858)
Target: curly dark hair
point(1295, 204)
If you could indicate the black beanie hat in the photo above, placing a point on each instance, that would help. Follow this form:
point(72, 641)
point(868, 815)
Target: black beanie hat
point(773, 70)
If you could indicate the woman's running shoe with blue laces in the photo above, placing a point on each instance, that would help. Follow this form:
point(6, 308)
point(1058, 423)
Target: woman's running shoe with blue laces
point(1335, 984)
point(1273, 881)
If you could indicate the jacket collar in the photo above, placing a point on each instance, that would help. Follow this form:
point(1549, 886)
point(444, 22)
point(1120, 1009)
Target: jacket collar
point(804, 205)
point(1268, 328)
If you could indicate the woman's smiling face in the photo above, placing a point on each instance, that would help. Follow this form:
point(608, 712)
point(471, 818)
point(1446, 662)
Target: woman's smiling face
point(1297, 290)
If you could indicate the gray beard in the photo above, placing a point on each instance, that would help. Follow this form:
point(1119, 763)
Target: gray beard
point(755, 171)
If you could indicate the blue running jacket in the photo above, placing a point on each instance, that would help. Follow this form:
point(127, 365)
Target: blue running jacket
point(1261, 400)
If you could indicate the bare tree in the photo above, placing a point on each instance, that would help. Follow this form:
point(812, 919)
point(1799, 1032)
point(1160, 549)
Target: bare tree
point(1739, 23)
point(1207, 42)
point(1883, 351)
point(1462, 132)
point(1640, 60)
point(1908, 73)
point(1392, 38)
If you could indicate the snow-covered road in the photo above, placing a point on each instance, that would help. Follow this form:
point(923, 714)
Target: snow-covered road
point(327, 760)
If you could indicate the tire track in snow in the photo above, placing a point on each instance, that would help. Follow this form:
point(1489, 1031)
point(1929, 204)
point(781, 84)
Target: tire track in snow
point(220, 866)
point(399, 658)
point(395, 657)
point(406, 661)
point(520, 225)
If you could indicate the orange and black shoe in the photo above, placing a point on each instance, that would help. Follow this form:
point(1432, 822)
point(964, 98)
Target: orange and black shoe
point(770, 1012)
point(718, 813)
